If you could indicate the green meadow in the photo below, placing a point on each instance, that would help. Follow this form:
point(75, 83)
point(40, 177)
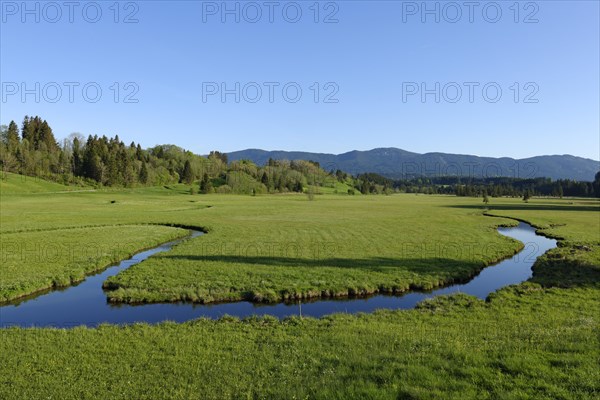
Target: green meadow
point(537, 340)
point(270, 249)
point(527, 343)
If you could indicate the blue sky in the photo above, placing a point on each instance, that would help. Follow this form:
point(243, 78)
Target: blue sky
point(375, 61)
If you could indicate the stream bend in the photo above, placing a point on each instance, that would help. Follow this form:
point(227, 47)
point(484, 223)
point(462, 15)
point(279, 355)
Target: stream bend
point(85, 303)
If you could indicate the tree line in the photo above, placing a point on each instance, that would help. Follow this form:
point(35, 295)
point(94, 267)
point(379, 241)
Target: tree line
point(33, 150)
point(478, 187)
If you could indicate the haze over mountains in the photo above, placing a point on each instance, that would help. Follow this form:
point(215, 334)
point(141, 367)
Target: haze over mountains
point(397, 163)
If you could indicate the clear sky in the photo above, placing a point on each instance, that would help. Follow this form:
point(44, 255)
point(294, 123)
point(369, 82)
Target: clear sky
point(371, 60)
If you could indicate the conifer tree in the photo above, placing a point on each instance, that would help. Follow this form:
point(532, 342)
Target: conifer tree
point(187, 175)
point(12, 136)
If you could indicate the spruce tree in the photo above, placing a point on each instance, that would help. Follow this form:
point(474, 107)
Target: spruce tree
point(26, 132)
point(187, 175)
point(12, 136)
point(46, 137)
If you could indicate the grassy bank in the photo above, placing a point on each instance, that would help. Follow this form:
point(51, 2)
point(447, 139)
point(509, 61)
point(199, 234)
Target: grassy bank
point(34, 261)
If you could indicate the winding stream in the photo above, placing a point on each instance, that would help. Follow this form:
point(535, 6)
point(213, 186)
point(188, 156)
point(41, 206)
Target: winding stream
point(86, 304)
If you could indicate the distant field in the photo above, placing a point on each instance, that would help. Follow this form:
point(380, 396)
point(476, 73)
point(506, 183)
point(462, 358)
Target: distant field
point(536, 340)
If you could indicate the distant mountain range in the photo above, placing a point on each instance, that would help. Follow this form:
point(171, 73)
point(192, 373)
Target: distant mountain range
point(396, 163)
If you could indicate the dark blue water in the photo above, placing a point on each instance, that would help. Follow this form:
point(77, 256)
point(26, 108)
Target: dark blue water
point(85, 304)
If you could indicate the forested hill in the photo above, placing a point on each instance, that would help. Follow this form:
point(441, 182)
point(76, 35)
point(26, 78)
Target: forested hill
point(32, 150)
point(98, 161)
point(400, 164)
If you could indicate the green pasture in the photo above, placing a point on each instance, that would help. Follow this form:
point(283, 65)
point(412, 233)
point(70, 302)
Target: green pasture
point(536, 340)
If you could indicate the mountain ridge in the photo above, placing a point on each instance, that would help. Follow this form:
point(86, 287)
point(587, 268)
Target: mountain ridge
point(399, 163)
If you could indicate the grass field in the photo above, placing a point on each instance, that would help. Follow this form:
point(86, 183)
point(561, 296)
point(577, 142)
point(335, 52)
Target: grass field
point(536, 340)
point(538, 344)
point(32, 261)
point(14, 183)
